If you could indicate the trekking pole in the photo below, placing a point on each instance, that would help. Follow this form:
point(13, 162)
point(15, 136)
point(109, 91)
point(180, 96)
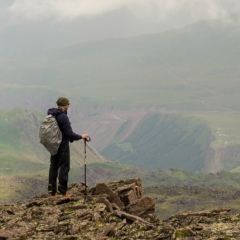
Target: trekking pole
point(85, 165)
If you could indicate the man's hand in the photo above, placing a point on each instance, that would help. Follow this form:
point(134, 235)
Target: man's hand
point(85, 136)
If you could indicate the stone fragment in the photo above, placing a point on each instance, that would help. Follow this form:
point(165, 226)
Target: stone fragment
point(106, 231)
point(131, 217)
point(142, 207)
point(102, 188)
point(107, 203)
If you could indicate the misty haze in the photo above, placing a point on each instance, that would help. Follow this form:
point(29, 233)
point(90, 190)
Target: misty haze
point(155, 84)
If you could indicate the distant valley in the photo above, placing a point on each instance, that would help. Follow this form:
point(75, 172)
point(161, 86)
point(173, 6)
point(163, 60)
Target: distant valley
point(158, 101)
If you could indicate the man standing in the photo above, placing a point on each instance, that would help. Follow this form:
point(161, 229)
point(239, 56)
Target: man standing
point(60, 163)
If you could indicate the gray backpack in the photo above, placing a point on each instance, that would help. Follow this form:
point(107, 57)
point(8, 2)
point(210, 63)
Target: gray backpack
point(50, 134)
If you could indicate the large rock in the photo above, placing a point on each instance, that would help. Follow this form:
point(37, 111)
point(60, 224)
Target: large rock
point(103, 189)
point(142, 207)
point(127, 195)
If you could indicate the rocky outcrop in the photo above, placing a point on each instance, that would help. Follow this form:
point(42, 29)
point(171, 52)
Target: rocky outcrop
point(115, 210)
point(127, 195)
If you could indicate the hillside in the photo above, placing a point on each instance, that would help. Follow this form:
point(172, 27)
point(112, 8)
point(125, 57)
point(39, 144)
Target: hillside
point(177, 141)
point(156, 140)
point(163, 141)
point(114, 84)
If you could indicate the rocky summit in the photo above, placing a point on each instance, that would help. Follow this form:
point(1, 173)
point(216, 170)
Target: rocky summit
point(113, 210)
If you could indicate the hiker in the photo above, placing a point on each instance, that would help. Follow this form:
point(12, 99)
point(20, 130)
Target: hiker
point(60, 163)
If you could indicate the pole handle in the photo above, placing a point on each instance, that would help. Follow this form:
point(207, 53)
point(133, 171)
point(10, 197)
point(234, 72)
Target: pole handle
point(87, 139)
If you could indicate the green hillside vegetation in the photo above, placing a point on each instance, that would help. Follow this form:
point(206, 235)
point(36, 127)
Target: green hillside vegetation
point(224, 126)
point(18, 142)
point(14, 188)
point(186, 141)
point(177, 142)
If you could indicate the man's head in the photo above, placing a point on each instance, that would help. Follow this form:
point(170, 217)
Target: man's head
point(63, 103)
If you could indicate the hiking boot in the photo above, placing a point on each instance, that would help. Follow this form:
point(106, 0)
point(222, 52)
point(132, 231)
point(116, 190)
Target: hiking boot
point(64, 195)
point(52, 194)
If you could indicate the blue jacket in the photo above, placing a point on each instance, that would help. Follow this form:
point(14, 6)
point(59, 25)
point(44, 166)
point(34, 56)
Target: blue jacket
point(64, 125)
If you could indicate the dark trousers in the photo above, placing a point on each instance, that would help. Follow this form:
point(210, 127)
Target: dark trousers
point(59, 168)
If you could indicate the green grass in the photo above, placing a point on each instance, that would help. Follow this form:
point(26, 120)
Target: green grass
point(225, 127)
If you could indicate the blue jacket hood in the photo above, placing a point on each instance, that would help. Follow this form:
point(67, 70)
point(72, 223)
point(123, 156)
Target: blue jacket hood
point(55, 111)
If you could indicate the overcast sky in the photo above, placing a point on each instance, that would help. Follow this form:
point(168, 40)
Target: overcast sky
point(31, 24)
